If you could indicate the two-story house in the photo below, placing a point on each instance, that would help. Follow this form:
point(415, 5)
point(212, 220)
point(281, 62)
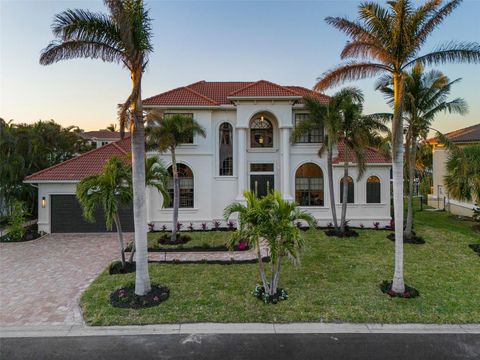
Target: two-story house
point(248, 146)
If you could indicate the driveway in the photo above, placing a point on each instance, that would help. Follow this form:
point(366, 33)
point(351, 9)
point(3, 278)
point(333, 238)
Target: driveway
point(41, 280)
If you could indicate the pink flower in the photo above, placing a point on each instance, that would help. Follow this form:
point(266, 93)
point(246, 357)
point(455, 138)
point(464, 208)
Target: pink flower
point(156, 298)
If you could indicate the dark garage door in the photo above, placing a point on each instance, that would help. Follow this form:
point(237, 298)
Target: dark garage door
point(66, 217)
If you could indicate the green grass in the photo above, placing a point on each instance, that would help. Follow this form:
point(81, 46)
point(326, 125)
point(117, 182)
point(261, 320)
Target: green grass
point(199, 238)
point(338, 281)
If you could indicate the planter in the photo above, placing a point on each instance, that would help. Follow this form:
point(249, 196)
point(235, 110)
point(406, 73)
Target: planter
point(126, 298)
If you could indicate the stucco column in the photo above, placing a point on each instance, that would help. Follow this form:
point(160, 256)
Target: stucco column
point(285, 170)
point(242, 162)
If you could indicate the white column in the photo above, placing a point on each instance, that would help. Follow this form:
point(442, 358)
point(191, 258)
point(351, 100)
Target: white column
point(285, 144)
point(241, 162)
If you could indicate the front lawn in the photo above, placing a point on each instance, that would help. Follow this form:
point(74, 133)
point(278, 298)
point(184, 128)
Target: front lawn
point(338, 281)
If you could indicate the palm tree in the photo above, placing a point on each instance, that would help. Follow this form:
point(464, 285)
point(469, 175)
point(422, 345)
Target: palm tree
point(156, 175)
point(388, 40)
point(273, 220)
point(109, 189)
point(122, 36)
point(425, 96)
point(165, 134)
point(463, 173)
point(112, 127)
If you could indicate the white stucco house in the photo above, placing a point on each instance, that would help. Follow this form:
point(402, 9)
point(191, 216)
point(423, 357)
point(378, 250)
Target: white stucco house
point(248, 146)
point(101, 137)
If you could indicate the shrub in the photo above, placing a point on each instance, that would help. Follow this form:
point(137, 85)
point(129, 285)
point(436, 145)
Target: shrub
point(164, 227)
point(376, 225)
point(216, 224)
point(362, 226)
point(16, 231)
point(151, 227)
point(204, 226)
point(179, 226)
point(330, 225)
point(231, 225)
point(190, 227)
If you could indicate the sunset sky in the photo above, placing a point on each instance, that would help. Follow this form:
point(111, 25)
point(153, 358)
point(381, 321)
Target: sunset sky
point(288, 43)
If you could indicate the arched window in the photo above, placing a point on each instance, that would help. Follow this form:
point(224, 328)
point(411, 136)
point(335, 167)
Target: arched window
point(261, 133)
point(309, 185)
point(373, 190)
point(185, 176)
point(350, 192)
point(225, 149)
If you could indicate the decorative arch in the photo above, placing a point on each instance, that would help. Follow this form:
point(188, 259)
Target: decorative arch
point(186, 178)
point(350, 190)
point(374, 190)
point(309, 188)
point(262, 130)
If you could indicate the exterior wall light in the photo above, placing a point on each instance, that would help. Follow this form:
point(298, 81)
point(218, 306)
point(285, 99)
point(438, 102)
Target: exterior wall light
point(44, 202)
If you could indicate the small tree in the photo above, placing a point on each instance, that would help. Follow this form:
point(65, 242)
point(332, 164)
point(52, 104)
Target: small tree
point(165, 133)
point(273, 220)
point(16, 222)
point(109, 189)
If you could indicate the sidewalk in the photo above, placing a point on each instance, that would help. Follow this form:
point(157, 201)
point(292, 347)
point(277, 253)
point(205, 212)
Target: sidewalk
point(247, 328)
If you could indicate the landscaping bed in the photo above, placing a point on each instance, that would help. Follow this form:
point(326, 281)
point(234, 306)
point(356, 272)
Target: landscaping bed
point(31, 233)
point(475, 247)
point(338, 281)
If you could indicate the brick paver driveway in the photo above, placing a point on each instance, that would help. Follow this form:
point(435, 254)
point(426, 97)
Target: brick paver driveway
point(41, 280)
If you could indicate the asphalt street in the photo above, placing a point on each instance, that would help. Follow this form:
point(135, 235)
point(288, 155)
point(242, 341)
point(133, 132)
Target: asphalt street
point(247, 346)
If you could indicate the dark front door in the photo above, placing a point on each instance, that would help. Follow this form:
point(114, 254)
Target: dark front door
point(261, 185)
point(67, 217)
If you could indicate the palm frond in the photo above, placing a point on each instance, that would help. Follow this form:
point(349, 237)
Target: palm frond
point(73, 49)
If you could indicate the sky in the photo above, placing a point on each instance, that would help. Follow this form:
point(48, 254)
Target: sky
point(286, 42)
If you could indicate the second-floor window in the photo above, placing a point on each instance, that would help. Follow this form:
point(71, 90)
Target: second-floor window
point(190, 140)
point(313, 136)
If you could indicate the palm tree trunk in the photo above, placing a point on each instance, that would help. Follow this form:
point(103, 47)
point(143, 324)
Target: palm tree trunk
point(262, 269)
point(120, 238)
point(142, 277)
point(345, 190)
point(398, 284)
point(176, 196)
point(276, 277)
point(411, 177)
point(132, 252)
point(331, 189)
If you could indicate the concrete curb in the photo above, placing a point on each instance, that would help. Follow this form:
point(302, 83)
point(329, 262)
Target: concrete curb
point(230, 328)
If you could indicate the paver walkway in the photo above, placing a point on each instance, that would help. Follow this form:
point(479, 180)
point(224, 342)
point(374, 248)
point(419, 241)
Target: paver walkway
point(41, 280)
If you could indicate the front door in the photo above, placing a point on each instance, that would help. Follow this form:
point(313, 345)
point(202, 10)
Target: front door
point(261, 185)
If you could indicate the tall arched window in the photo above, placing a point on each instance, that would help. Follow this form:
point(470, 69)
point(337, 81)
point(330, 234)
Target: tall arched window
point(373, 190)
point(261, 133)
point(309, 185)
point(185, 176)
point(350, 192)
point(225, 133)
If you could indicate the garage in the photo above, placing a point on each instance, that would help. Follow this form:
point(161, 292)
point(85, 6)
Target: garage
point(66, 217)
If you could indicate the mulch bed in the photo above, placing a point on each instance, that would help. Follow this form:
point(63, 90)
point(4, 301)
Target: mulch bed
point(346, 234)
point(166, 239)
point(475, 247)
point(126, 298)
point(232, 261)
point(414, 239)
point(198, 249)
point(31, 233)
point(280, 295)
point(117, 268)
point(409, 293)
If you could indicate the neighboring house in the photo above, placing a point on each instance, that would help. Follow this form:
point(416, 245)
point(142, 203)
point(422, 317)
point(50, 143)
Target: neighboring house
point(248, 126)
point(100, 137)
point(439, 197)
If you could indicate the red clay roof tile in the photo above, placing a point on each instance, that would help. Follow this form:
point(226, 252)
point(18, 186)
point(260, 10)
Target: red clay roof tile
point(372, 156)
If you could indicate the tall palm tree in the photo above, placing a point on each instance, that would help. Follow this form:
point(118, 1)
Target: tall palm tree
point(357, 132)
point(110, 189)
point(122, 36)
point(388, 40)
point(165, 134)
point(426, 96)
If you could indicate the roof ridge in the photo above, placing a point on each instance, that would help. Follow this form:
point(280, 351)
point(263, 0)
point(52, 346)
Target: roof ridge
point(164, 93)
point(201, 95)
point(119, 148)
point(75, 158)
point(263, 81)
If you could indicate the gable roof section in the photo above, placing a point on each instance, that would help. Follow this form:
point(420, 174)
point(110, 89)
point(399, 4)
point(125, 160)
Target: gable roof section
point(216, 93)
point(372, 156)
point(83, 165)
point(465, 135)
point(264, 88)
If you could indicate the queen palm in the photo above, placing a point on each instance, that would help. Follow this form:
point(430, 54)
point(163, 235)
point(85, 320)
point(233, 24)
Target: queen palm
point(165, 134)
point(426, 96)
point(122, 36)
point(389, 40)
point(110, 190)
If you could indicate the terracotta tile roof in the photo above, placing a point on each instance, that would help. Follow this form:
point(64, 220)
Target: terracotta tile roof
point(264, 88)
point(468, 134)
point(100, 134)
point(86, 164)
point(372, 156)
point(214, 93)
